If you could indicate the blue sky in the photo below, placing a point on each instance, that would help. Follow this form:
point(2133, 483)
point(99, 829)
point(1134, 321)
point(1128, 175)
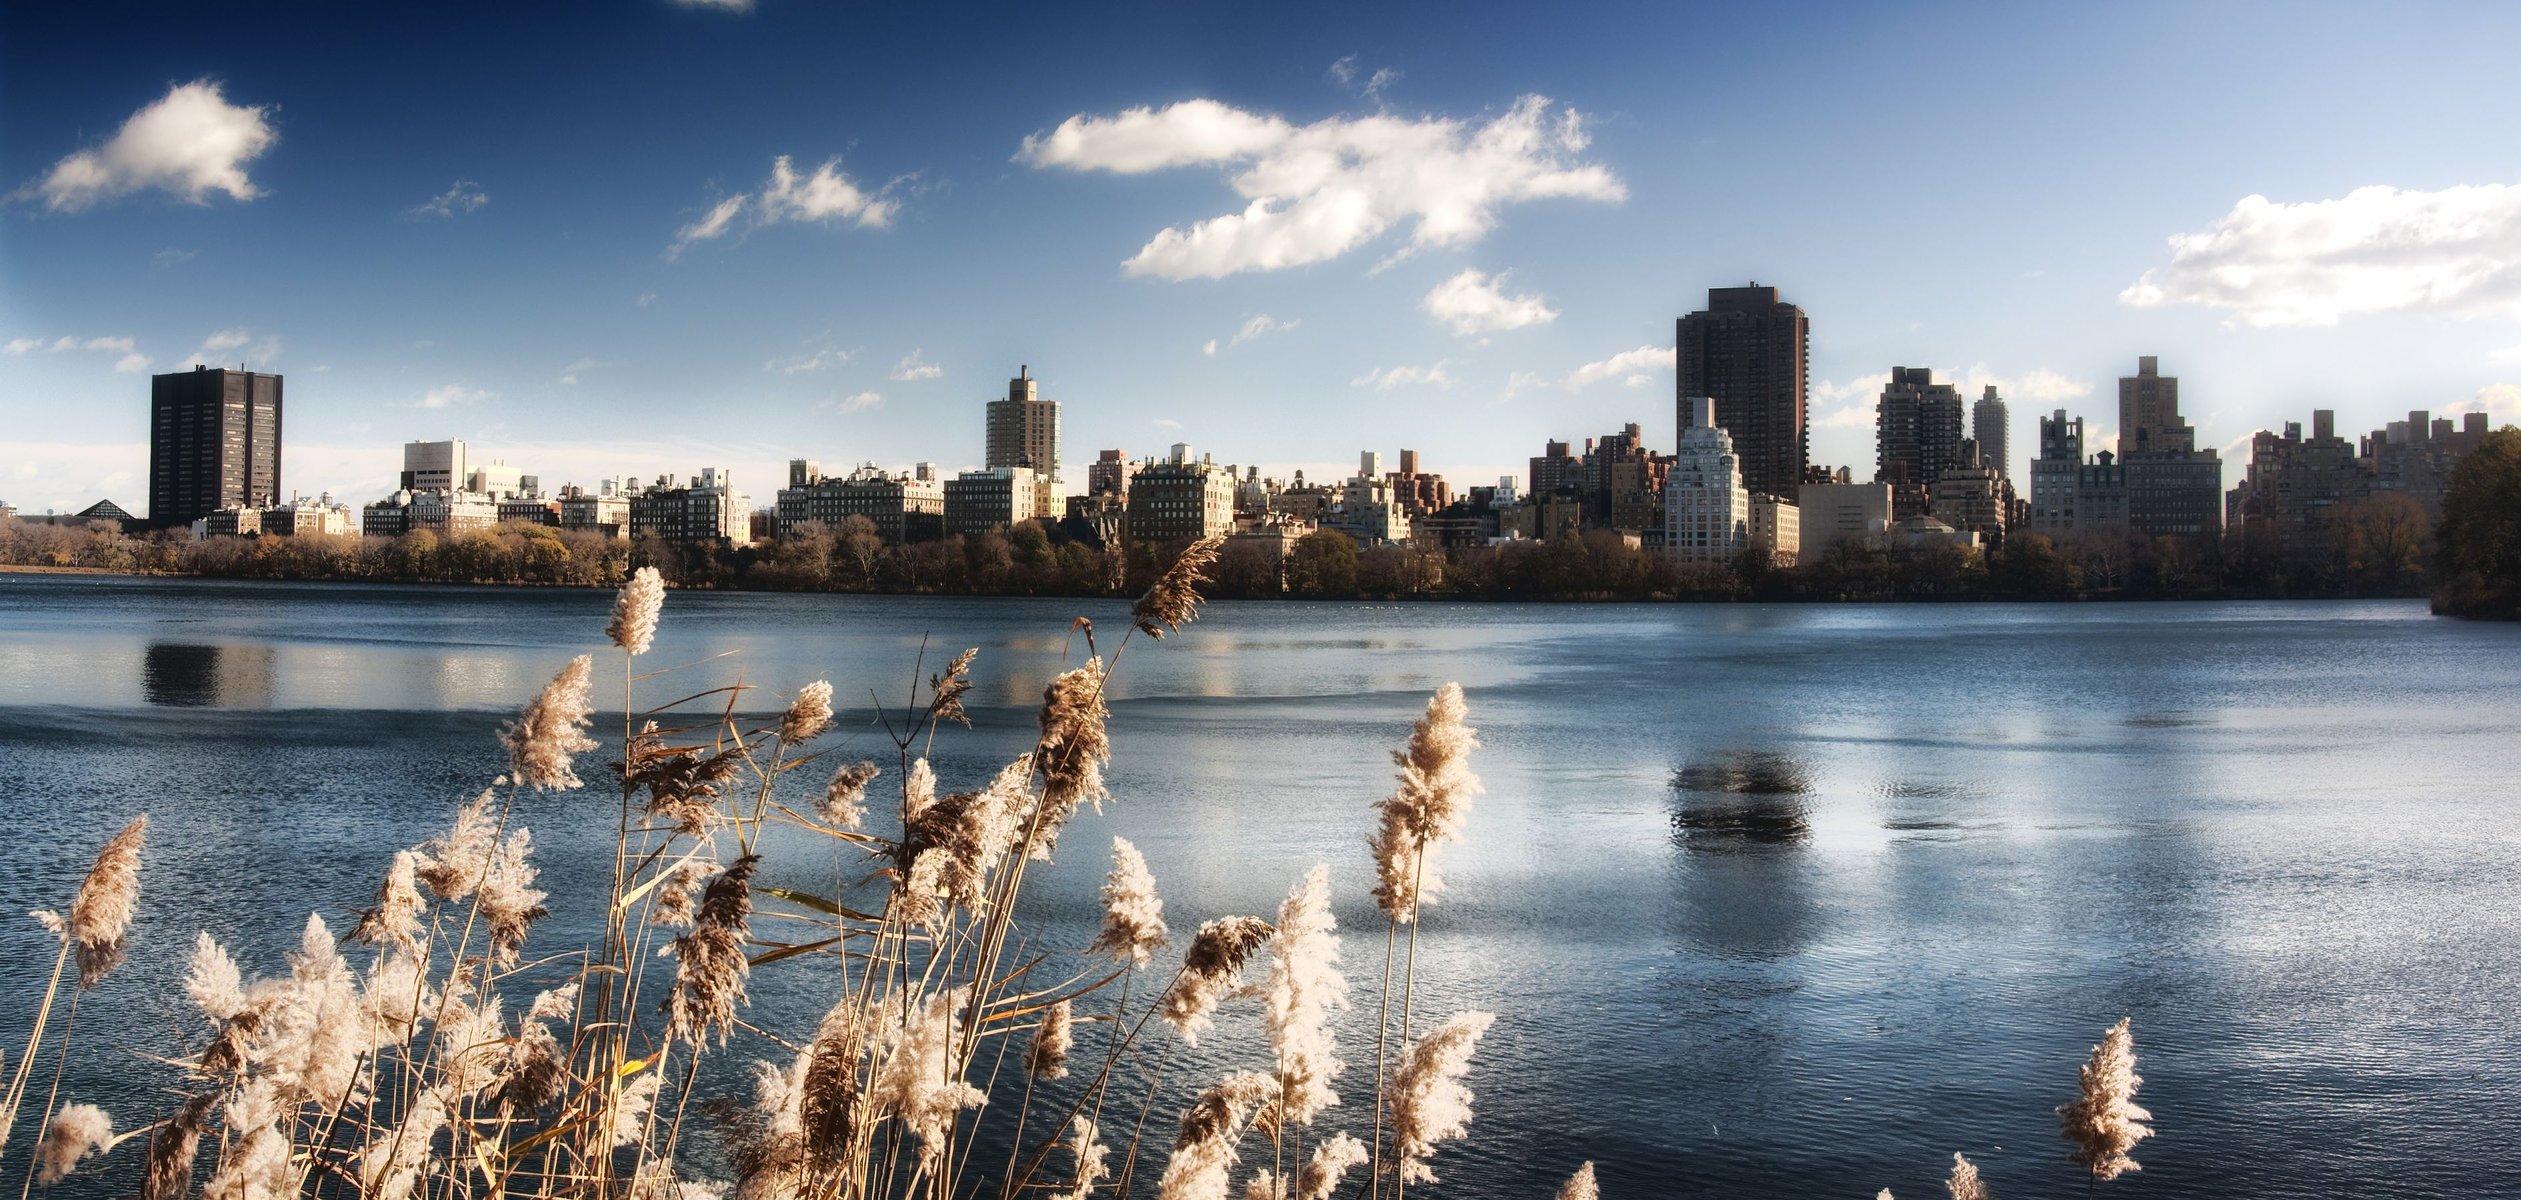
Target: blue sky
point(481, 223)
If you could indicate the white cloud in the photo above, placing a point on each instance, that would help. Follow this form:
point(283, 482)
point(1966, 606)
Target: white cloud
point(132, 364)
point(733, 6)
point(22, 345)
point(1384, 379)
point(189, 143)
point(213, 349)
point(645, 299)
point(121, 345)
point(569, 374)
point(807, 364)
point(1848, 405)
point(1476, 302)
point(2497, 399)
point(1851, 404)
point(172, 257)
point(913, 368)
point(1315, 192)
point(857, 402)
point(1255, 327)
point(2376, 249)
point(825, 195)
point(1344, 71)
point(464, 197)
point(1167, 423)
point(452, 395)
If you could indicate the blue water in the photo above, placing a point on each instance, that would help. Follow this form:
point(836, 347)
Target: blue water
point(1768, 900)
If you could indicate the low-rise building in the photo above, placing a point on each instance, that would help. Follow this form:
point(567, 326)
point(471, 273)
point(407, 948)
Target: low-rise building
point(437, 510)
point(1828, 513)
point(1776, 528)
point(904, 507)
point(605, 511)
point(995, 498)
point(1179, 500)
point(708, 509)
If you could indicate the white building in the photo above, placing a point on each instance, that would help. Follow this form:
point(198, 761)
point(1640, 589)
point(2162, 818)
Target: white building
point(435, 466)
point(1706, 510)
point(1777, 527)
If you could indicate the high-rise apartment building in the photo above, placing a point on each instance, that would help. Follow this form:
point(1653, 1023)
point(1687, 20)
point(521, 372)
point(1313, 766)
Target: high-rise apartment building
point(1179, 500)
point(1917, 435)
point(214, 443)
point(1989, 427)
point(2174, 489)
point(2149, 412)
point(1706, 508)
point(997, 498)
point(1024, 432)
point(2054, 474)
point(1747, 351)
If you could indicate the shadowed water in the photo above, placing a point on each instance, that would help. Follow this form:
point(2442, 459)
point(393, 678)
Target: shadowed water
point(1768, 900)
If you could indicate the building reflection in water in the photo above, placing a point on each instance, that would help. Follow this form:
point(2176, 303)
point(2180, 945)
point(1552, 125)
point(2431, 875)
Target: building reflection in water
point(1738, 798)
point(189, 675)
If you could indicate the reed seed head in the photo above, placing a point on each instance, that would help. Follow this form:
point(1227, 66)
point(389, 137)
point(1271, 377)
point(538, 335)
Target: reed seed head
point(831, 1108)
point(809, 714)
point(1089, 1155)
point(395, 921)
point(2103, 1121)
point(634, 623)
point(1964, 1183)
point(552, 729)
point(1047, 1057)
point(1133, 912)
point(1303, 987)
point(1331, 1159)
point(710, 965)
point(920, 1082)
point(844, 798)
point(1427, 808)
point(75, 1133)
point(946, 691)
point(1174, 600)
point(1580, 1186)
point(1429, 1104)
point(1075, 746)
point(101, 913)
point(1211, 968)
point(174, 1148)
point(1203, 1153)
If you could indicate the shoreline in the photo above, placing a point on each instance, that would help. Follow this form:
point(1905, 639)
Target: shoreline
point(527, 585)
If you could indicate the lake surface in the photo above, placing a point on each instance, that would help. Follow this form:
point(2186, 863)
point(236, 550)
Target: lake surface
point(1791, 900)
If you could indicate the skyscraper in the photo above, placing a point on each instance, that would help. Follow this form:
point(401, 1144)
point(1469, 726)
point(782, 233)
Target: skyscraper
point(1746, 351)
point(1917, 436)
point(1706, 507)
point(1988, 421)
point(2173, 488)
point(2149, 412)
point(1024, 432)
point(214, 443)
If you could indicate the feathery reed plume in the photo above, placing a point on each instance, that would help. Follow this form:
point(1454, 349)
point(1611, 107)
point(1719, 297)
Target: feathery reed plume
point(1133, 912)
point(1331, 1160)
point(809, 714)
point(101, 913)
point(946, 691)
point(625, 1119)
point(395, 921)
point(1089, 1155)
point(534, 1073)
point(967, 834)
point(919, 791)
point(1580, 1186)
point(312, 1038)
point(389, 1166)
point(2104, 1122)
point(1429, 1103)
point(1965, 1183)
point(710, 967)
point(508, 900)
point(1203, 1153)
point(1427, 808)
point(1075, 744)
point(766, 1144)
point(1174, 600)
point(634, 623)
point(214, 983)
point(919, 1082)
point(678, 893)
point(254, 1164)
point(174, 1148)
point(682, 783)
point(452, 866)
point(844, 799)
point(552, 728)
point(1303, 987)
point(1047, 1056)
point(76, 1132)
point(1211, 968)
point(829, 1109)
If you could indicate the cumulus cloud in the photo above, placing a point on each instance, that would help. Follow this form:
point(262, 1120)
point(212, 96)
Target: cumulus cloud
point(807, 364)
point(1845, 405)
point(1384, 379)
point(1850, 404)
point(132, 364)
point(856, 402)
point(1633, 368)
point(452, 395)
point(189, 143)
point(569, 374)
point(826, 195)
point(1315, 192)
point(466, 196)
point(2495, 399)
point(1475, 302)
point(2377, 249)
point(213, 351)
point(1256, 327)
point(130, 361)
point(914, 368)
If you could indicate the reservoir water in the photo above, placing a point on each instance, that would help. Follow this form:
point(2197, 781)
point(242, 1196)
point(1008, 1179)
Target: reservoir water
point(1772, 901)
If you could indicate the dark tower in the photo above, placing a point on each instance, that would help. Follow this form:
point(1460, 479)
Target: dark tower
point(214, 443)
point(1747, 351)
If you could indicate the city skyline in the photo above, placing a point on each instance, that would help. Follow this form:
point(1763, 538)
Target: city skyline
point(575, 309)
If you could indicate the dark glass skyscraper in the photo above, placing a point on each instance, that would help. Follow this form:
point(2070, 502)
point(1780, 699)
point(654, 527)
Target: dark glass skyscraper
point(214, 443)
point(1747, 351)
